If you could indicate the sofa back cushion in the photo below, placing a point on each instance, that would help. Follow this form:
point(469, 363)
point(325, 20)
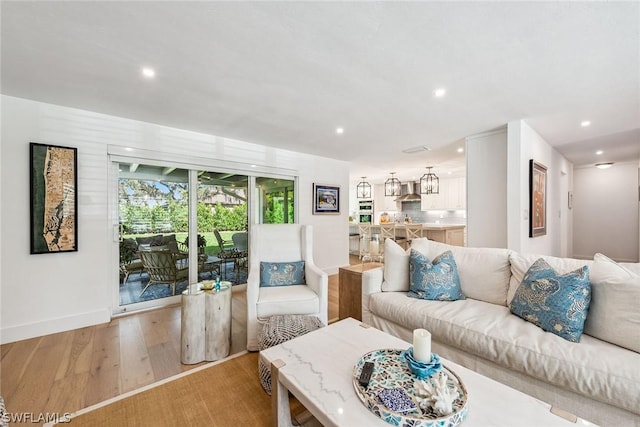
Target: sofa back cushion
point(396, 268)
point(614, 315)
point(484, 272)
point(520, 264)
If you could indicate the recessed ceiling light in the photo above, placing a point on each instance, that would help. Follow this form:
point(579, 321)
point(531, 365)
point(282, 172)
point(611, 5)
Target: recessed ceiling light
point(460, 150)
point(439, 93)
point(254, 166)
point(339, 131)
point(604, 165)
point(599, 152)
point(148, 72)
point(585, 123)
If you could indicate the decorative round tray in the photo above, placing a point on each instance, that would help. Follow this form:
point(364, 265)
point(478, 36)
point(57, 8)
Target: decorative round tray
point(391, 371)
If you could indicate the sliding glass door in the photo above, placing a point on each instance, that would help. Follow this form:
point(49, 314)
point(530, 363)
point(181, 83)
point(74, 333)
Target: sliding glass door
point(156, 216)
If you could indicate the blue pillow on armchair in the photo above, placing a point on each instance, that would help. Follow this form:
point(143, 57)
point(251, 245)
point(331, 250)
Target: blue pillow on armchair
point(281, 273)
point(436, 280)
point(557, 304)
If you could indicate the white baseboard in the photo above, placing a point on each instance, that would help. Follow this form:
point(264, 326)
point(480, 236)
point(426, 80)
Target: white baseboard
point(52, 326)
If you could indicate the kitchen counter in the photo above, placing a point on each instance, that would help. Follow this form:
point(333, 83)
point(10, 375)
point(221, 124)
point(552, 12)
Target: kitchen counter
point(452, 234)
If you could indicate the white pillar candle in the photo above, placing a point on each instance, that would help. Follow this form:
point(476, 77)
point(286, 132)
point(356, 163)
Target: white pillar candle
point(374, 247)
point(422, 345)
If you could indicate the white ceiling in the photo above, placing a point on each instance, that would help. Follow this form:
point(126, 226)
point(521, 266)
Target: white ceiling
point(287, 74)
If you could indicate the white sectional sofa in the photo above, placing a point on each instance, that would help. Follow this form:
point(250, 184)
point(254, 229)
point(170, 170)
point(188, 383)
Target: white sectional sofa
point(597, 378)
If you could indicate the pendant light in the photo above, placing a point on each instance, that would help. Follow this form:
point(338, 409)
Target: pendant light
point(363, 189)
point(429, 183)
point(392, 186)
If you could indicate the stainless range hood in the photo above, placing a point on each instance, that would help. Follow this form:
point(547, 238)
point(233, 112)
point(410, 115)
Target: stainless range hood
point(408, 193)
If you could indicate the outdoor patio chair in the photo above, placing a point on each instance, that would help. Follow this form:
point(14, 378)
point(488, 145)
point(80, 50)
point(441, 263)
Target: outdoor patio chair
point(164, 267)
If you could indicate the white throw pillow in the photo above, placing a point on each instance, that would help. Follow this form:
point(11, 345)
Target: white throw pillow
point(484, 272)
point(614, 313)
point(396, 268)
point(520, 265)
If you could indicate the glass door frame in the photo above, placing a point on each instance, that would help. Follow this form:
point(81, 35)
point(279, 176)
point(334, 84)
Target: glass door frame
point(118, 154)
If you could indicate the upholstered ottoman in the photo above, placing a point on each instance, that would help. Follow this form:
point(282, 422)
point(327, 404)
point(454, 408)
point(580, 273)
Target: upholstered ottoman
point(277, 330)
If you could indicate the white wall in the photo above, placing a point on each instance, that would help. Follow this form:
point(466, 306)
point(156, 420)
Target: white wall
point(498, 191)
point(606, 212)
point(48, 293)
point(524, 144)
point(486, 155)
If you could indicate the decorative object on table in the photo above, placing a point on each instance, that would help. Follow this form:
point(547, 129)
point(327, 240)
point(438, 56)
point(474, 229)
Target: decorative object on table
point(392, 371)
point(396, 400)
point(207, 285)
point(436, 394)
point(537, 199)
point(217, 283)
point(422, 345)
point(53, 201)
point(326, 199)
point(422, 370)
point(374, 254)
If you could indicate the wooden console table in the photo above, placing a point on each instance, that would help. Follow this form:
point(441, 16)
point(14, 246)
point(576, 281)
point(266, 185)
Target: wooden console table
point(350, 289)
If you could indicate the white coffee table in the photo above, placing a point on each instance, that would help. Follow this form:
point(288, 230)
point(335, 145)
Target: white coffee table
point(317, 369)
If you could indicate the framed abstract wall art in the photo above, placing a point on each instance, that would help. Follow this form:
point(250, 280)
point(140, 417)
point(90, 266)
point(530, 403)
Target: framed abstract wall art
point(537, 199)
point(54, 205)
point(326, 199)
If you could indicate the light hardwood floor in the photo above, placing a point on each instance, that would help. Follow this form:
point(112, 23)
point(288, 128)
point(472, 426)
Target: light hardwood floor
point(68, 371)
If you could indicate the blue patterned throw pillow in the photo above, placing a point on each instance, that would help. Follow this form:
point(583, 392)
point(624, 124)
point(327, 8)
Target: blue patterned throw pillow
point(557, 304)
point(434, 280)
point(281, 273)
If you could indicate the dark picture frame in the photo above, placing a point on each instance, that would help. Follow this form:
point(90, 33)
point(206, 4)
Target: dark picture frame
point(326, 199)
point(537, 199)
point(53, 179)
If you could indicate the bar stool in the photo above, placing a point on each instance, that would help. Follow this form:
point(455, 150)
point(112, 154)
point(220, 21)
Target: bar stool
point(388, 231)
point(413, 231)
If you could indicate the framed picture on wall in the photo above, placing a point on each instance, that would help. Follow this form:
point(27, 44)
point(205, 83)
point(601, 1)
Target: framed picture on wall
point(537, 199)
point(326, 199)
point(53, 202)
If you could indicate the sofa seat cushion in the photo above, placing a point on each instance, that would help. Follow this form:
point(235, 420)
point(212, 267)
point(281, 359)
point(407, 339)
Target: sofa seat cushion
point(592, 367)
point(294, 299)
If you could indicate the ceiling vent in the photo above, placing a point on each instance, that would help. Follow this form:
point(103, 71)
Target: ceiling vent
point(416, 149)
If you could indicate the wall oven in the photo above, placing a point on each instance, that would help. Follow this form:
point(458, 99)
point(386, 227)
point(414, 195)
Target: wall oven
point(365, 211)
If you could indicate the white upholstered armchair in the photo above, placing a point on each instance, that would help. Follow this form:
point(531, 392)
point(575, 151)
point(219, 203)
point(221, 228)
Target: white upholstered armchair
point(279, 243)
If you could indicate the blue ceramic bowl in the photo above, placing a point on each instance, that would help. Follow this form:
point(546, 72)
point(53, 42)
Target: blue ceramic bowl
point(420, 369)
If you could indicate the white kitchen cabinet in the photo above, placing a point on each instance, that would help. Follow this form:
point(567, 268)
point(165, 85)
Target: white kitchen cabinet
point(452, 195)
point(431, 201)
point(384, 203)
point(455, 195)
